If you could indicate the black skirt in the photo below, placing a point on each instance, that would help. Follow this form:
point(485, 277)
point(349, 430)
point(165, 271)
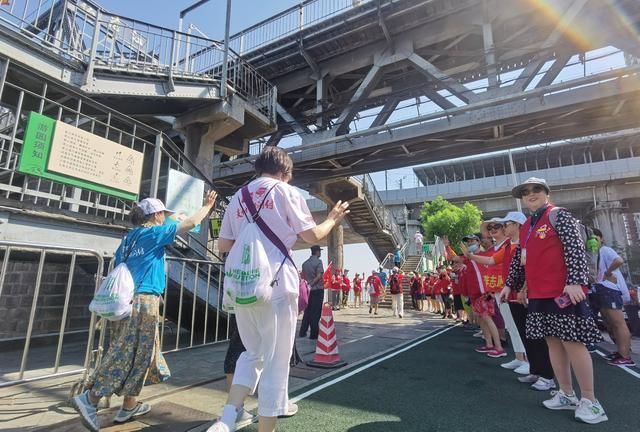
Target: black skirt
point(575, 323)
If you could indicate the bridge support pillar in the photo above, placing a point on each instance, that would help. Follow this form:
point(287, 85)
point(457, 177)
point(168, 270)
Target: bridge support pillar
point(608, 218)
point(335, 246)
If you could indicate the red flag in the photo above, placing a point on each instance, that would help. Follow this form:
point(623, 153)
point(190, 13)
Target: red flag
point(326, 277)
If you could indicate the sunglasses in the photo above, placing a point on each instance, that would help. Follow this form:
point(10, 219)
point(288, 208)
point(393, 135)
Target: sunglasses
point(535, 189)
point(494, 227)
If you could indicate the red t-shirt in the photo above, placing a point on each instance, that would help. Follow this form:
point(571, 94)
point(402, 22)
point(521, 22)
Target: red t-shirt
point(376, 283)
point(442, 284)
point(357, 285)
point(346, 284)
point(336, 282)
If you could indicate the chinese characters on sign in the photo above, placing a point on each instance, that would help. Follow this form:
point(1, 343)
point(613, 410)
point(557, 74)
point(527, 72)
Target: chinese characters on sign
point(83, 155)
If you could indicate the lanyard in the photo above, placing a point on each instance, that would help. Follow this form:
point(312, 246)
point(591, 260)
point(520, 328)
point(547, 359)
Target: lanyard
point(532, 225)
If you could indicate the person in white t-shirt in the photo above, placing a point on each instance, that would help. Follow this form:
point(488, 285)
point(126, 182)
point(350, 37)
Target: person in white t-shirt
point(267, 328)
point(419, 239)
point(610, 295)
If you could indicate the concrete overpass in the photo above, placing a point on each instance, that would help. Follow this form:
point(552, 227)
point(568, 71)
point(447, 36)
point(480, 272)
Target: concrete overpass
point(598, 178)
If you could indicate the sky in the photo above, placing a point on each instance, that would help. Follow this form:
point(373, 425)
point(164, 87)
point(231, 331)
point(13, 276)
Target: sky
point(210, 18)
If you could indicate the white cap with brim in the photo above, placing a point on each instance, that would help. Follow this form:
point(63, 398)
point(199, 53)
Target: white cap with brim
point(470, 237)
point(517, 191)
point(517, 217)
point(150, 206)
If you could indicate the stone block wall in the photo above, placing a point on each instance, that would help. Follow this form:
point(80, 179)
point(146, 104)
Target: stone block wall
point(16, 298)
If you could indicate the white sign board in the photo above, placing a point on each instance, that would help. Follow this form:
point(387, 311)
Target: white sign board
point(185, 194)
point(86, 156)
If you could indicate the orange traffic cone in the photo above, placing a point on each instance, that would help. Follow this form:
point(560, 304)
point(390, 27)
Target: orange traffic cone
point(327, 347)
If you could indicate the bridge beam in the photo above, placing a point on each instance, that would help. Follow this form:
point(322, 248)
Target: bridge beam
point(529, 72)
point(436, 76)
point(367, 84)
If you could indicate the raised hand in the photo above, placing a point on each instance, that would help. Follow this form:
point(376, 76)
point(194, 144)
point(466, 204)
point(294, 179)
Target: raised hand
point(210, 198)
point(339, 211)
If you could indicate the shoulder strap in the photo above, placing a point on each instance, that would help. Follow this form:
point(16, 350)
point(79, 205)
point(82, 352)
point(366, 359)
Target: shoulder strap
point(131, 245)
point(255, 214)
point(553, 216)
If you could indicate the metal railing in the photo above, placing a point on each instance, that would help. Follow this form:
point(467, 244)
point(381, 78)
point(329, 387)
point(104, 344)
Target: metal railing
point(202, 281)
point(289, 21)
point(160, 152)
point(81, 31)
point(382, 214)
point(50, 310)
point(59, 292)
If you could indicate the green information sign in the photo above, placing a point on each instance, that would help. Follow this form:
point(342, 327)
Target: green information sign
point(36, 150)
point(214, 226)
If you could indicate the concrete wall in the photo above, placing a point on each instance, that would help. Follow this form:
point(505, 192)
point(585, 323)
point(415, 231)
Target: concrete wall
point(17, 298)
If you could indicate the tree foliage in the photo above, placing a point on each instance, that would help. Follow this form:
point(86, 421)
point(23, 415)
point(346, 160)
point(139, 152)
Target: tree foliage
point(441, 218)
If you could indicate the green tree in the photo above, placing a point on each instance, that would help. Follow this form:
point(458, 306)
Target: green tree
point(441, 218)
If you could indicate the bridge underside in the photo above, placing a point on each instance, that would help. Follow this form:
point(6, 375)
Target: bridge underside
point(488, 78)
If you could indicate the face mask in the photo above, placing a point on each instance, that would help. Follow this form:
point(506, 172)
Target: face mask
point(473, 248)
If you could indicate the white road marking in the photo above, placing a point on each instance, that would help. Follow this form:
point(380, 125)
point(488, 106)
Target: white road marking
point(624, 368)
point(367, 366)
point(357, 340)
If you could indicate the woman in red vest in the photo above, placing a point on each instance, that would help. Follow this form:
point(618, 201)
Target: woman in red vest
point(553, 254)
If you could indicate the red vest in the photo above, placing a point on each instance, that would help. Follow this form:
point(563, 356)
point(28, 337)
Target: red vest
point(546, 271)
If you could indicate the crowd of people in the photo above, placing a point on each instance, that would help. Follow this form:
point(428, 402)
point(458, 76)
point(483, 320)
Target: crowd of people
point(533, 283)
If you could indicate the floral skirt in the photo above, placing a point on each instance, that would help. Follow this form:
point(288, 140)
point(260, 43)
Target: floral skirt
point(575, 323)
point(134, 356)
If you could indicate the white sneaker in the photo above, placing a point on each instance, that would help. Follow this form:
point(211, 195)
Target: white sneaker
point(513, 364)
point(529, 379)
point(218, 426)
point(523, 369)
point(544, 384)
point(561, 401)
point(590, 412)
point(478, 334)
point(244, 418)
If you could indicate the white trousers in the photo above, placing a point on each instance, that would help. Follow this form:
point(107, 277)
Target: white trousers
point(397, 304)
point(267, 331)
point(510, 325)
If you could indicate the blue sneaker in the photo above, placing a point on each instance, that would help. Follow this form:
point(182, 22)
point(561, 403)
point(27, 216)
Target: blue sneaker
point(88, 412)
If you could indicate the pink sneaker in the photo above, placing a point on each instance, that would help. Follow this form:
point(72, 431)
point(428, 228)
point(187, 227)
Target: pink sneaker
point(622, 361)
point(495, 353)
point(484, 349)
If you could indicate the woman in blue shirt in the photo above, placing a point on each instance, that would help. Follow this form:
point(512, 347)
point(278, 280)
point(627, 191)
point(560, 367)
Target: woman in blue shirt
point(134, 355)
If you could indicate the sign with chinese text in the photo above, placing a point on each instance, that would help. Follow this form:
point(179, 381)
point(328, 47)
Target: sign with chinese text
point(184, 194)
point(57, 151)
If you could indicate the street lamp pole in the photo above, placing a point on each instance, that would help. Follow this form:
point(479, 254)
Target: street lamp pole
point(225, 55)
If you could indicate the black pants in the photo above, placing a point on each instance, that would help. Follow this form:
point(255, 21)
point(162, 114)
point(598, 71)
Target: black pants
point(311, 317)
point(537, 350)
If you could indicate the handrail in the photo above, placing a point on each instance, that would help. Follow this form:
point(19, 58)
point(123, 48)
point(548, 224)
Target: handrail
point(382, 264)
point(381, 212)
point(114, 43)
point(291, 20)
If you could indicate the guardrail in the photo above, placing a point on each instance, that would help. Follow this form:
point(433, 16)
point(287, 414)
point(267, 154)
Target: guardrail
point(202, 280)
point(82, 31)
point(290, 21)
point(381, 212)
point(43, 305)
point(46, 290)
point(83, 113)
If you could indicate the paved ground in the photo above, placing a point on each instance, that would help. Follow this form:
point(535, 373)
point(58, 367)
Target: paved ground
point(438, 375)
point(196, 389)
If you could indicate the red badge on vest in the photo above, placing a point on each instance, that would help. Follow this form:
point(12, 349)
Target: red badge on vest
point(541, 232)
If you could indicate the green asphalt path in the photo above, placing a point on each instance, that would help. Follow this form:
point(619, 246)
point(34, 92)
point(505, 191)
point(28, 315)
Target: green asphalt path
point(443, 385)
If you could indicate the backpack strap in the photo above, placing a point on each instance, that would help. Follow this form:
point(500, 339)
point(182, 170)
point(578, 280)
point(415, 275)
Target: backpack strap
point(255, 214)
point(553, 216)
